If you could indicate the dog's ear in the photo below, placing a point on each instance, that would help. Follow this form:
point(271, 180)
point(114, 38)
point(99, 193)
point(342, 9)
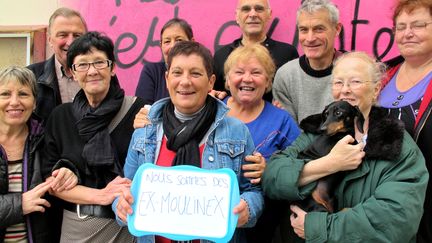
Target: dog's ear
point(311, 123)
point(360, 119)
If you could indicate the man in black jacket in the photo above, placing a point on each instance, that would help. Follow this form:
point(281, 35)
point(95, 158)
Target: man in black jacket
point(253, 17)
point(54, 80)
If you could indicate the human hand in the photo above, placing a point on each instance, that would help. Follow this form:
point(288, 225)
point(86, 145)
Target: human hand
point(64, 179)
point(141, 118)
point(242, 209)
point(32, 200)
point(218, 94)
point(114, 189)
point(297, 219)
point(124, 203)
point(345, 156)
point(256, 167)
point(277, 104)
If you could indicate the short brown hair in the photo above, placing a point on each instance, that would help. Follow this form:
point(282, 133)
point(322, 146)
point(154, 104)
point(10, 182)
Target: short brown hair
point(409, 6)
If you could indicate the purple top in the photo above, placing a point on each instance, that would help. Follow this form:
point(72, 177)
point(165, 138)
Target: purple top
point(391, 97)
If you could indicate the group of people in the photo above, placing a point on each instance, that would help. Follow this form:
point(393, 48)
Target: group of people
point(69, 149)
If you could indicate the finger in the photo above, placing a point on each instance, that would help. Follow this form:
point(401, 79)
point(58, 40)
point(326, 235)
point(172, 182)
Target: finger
point(72, 184)
point(44, 202)
point(253, 175)
point(54, 173)
point(295, 209)
point(347, 139)
point(256, 181)
point(251, 167)
point(64, 184)
point(42, 188)
point(239, 207)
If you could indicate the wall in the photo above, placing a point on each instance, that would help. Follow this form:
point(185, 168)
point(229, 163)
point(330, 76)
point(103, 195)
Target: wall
point(26, 12)
point(134, 25)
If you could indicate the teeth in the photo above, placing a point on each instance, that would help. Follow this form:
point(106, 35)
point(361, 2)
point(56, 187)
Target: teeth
point(14, 112)
point(247, 88)
point(184, 92)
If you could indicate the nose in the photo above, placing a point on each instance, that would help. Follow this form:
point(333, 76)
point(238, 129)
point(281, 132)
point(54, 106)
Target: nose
point(310, 36)
point(408, 31)
point(252, 12)
point(247, 77)
point(69, 39)
point(92, 70)
point(14, 100)
point(345, 88)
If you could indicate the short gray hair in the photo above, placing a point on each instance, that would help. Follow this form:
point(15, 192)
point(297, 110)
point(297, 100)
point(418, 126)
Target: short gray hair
point(312, 6)
point(67, 13)
point(376, 68)
point(20, 74)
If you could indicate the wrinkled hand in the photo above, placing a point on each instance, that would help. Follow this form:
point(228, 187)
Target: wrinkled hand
point(256, 168)
point(64, 179)
point(141, 118)
point(218, 94)
point(124, 207)
point(32, 200)
point(345, 156)
point(297, 219)
point(114, 189)
point(242, 209)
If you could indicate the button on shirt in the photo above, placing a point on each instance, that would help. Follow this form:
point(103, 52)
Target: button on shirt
point(67, 85)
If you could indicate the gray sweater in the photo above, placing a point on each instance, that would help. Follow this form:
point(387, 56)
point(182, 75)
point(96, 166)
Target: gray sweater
point(301, 90)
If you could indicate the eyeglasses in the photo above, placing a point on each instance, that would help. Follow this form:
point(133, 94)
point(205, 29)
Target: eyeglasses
point(85, 66)
point(352, 84)
point(414, 26)
point(258, 8)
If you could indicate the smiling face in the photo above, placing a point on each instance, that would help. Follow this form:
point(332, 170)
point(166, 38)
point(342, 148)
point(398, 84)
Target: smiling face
point(62, 33)
point(363, 96)
point(317, 34)
point(247, 81)
point(188, 83)
point(16, 103)
point(94, 82)
point(170, 37)
point(253, 22)
point(415, 43)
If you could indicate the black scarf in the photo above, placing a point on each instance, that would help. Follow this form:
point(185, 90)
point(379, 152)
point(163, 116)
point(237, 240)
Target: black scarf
point(92, 124)
point(184, 138)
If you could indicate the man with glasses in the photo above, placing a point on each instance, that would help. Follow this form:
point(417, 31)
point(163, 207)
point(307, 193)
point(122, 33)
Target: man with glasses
point(253, 17)
point(303, 86)
point(54, 79)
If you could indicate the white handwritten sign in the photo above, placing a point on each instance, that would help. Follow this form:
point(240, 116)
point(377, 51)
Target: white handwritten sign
point(184, 203)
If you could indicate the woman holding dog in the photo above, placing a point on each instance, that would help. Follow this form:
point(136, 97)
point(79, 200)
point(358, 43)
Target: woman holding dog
point(385, 176)
point(408, 88)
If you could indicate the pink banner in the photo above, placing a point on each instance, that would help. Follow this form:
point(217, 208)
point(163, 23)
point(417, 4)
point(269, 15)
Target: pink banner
point(134, 26)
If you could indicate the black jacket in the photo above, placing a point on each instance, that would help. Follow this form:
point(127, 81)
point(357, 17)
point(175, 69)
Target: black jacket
point(48, 93)
point(11, 203)
point(281, 53)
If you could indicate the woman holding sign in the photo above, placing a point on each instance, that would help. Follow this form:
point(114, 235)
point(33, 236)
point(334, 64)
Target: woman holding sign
point(192, 128)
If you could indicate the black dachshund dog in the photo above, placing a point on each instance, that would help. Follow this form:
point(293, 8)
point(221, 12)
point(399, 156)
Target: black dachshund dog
point(335, 122)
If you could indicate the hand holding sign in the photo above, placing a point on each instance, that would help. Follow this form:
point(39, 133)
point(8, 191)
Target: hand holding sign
point(181, 203)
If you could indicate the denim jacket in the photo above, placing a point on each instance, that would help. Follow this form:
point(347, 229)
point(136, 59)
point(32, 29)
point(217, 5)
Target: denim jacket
point(227, 144)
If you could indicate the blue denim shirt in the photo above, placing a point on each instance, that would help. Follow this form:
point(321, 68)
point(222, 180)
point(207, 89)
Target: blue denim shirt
point(227, 144)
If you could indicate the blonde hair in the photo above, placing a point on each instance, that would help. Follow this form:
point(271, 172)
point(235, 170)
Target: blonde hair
point(20, 74)
point(243, 53)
